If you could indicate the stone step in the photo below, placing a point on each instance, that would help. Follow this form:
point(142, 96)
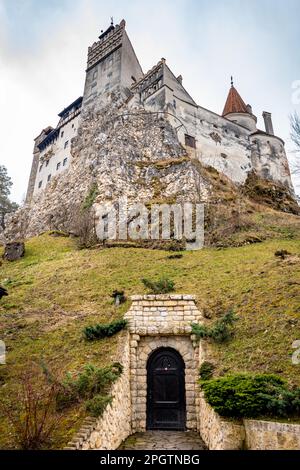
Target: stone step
point(163, 440)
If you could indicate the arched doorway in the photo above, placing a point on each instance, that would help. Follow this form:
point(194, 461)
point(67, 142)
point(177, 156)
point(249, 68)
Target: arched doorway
point(166, 390)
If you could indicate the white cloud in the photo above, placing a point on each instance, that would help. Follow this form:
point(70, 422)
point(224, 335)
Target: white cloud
point(45, 72)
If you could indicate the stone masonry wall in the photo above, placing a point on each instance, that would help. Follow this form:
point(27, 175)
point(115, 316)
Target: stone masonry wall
point(108, 431)
point(162, 321)
point(222, 434)
point(268, 435)
point(165, 321)
point(217, 433)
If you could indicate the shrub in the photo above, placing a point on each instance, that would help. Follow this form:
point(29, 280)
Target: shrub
point(206, 370)
point(100, 331)
point(31, 410)
point(162, 286)
point(91, 196)
point(222, 330)
point(251, 396)
point(96, 405)
point(92, 382)
point(84, 229)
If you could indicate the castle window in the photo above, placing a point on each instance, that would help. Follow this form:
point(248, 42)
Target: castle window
point(66, 144)
point(65, 161)
point(47, 162)
point(41, 168)
point(190, 141)
point(62, 134)
point(49, 177)
point(40, 184)
point(58, 166)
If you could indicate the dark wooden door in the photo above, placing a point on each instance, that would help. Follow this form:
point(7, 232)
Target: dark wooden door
point(165, 390)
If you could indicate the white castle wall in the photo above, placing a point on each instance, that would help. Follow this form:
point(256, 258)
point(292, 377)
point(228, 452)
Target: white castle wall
point(60, 153)
point(232, 148)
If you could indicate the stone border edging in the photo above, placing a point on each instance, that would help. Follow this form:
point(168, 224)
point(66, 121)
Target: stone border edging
point(135, 298)
point(84, 432)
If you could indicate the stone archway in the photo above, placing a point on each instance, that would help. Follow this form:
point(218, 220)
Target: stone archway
point(166, 406)
point(144, 347)
point(162, 321)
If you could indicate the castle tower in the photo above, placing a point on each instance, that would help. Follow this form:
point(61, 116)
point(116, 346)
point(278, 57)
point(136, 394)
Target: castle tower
point(112, 66)
point(237, 111)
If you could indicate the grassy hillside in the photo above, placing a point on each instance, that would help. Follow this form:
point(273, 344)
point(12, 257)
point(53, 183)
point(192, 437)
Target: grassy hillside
point(56, 290)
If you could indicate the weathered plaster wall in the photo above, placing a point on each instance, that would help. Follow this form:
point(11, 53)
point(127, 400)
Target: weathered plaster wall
point(60, 152)
point(269, 158)
point(220, 142)
point(103, 78)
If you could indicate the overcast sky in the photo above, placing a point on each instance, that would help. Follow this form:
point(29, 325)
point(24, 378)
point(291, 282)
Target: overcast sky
point(43, 49)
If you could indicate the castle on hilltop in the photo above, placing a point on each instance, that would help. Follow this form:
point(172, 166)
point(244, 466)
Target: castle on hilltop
point(229, 142)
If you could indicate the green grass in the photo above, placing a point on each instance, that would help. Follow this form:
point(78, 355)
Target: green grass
point(56, 290)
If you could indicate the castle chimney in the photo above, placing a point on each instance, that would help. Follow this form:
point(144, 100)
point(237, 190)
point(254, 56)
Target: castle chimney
point(268, 123)
point(179, 78)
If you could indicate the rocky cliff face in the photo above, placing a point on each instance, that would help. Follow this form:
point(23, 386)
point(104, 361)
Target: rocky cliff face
point(120, 151)
point(123, 152)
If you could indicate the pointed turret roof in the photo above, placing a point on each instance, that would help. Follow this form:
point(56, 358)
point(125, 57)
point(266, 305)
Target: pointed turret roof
point(234, 102)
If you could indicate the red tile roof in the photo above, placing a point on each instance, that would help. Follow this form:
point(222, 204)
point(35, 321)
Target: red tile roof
point(234, 103)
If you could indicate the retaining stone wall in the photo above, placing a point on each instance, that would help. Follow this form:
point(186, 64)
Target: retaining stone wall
point(108, 431)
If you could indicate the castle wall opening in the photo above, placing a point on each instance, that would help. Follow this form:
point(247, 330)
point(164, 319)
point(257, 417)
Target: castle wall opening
point(166, 390)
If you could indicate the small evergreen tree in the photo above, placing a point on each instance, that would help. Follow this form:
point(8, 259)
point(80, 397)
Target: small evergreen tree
point(6, 206)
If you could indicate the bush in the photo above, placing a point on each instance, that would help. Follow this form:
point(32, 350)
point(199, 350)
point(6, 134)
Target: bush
point(84, 229)
point(206, 370)
point(162, 286)
point(91, 196)
point(31, 410)
point(248, 396)
point(92, 382)
point(100, 331)
point(222, 330)
point(95, 406)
